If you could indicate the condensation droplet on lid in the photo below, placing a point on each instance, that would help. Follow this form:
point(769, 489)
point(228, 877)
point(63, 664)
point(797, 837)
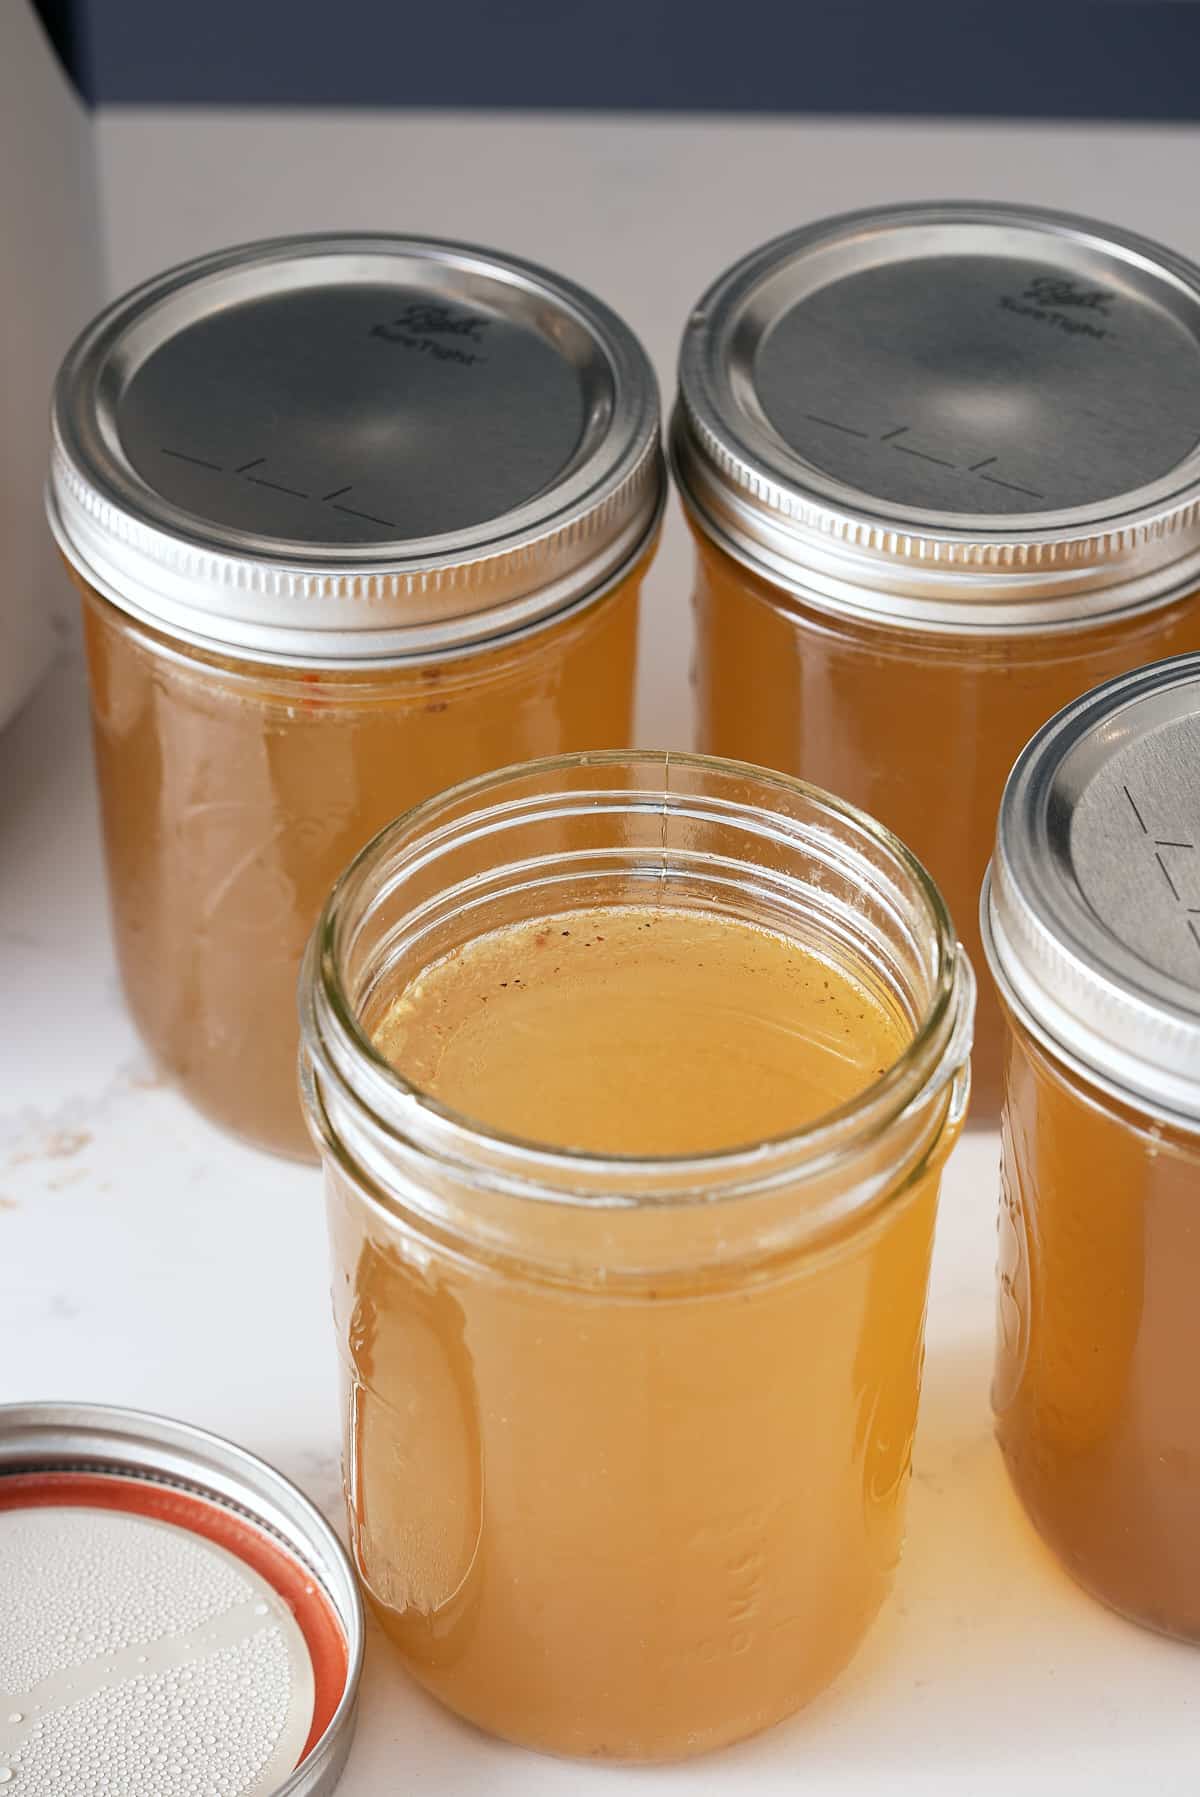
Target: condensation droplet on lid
point(101, 1627)
point(16, 1716)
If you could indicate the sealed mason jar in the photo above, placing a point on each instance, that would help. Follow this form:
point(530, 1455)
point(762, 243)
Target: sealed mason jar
point(353, 518)
point(1092, 925)
point(628, 1433)
point(942, 466)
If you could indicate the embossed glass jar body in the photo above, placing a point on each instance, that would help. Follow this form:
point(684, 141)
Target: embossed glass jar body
point(233, 795)
point(354, 517)
point(1099, 1336)
point(627, 1442)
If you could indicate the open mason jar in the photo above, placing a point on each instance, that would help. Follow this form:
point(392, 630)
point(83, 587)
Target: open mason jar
point(942, 466)
point(627, 1438)
point(354, 518)
point(1091, 920)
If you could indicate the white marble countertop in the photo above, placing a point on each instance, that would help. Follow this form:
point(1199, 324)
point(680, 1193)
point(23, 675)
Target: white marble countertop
point(144, 1260)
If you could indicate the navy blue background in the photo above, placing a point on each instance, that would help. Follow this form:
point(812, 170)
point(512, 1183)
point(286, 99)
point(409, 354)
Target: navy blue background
point(1058, 59)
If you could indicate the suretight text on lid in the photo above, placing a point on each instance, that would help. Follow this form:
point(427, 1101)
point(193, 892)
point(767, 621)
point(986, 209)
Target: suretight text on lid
point(353, 447)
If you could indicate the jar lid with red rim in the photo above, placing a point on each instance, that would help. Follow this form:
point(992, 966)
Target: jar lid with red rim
point(179, 1620)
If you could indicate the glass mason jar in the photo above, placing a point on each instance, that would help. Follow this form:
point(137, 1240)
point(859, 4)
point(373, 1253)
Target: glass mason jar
point(1090, 922)
point(942, 474)
point(627, 1441)
point(354, 518)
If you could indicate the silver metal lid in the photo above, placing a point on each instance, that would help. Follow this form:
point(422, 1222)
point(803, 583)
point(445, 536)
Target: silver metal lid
point(1091, 911)
point(346, 448)
point(178, 1618)
point(957, 416)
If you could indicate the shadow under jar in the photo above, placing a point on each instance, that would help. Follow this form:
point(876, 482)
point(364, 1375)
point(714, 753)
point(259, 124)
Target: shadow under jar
point(627, 1432)
point(353, 518)
point(1090, 920)
point(942, 468)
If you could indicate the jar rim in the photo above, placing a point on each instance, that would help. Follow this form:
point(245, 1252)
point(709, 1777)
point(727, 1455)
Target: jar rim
point(419, 648)
point(937, 1052)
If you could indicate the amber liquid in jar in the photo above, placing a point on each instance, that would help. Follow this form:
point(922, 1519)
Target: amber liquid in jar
point(232, 796)
point(633, 1526)
point(1099, 1337)
point(919, 729)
